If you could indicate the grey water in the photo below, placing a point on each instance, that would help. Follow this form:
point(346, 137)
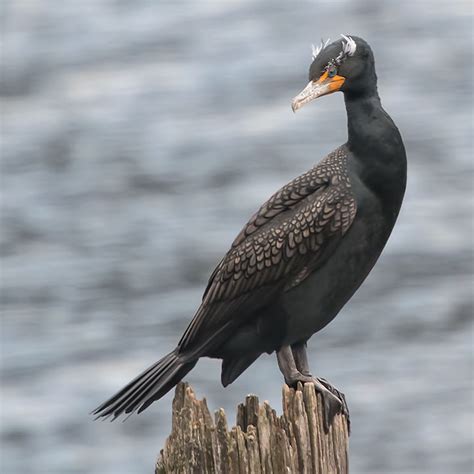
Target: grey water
point(138, 137)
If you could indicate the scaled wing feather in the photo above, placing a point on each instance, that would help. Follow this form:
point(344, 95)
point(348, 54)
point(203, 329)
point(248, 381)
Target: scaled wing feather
point(273, 251)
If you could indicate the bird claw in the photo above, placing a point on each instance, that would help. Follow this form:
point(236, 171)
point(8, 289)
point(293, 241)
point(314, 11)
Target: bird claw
point(344, 409)
point(331, 407)
point(334, 402)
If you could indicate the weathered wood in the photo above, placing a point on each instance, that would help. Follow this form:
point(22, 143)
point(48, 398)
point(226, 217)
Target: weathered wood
point(261, 441)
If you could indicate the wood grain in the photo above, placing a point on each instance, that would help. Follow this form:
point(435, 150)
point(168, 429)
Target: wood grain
point(261, 441)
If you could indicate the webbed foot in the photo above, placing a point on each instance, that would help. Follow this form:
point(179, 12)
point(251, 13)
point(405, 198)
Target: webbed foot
point(332, 404)
point(293, 364)
point(341, 397)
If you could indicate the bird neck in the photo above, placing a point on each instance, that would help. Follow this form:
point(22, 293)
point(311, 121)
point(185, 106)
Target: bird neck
point(364, 112)
point(376, 147)
point(371, 131)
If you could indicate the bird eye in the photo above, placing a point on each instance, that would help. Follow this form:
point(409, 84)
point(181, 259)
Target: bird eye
point(332, 71)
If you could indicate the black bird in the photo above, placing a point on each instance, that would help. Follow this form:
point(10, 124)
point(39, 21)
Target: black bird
point(303, 254)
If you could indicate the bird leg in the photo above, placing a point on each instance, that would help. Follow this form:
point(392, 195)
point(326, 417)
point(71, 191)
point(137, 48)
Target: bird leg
point(287, 365)
point(331, 403)
point(301, 360)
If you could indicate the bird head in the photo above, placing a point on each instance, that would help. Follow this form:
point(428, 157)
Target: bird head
point(345, 65)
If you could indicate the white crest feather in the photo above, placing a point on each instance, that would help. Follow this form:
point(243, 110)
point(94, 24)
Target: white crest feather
point(317, 50)
point(348, 49)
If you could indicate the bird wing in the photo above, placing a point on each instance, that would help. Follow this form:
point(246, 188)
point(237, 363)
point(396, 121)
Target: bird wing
point(285, 238)
point(284, 199)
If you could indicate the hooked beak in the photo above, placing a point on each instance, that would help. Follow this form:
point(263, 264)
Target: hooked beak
point(323, 86)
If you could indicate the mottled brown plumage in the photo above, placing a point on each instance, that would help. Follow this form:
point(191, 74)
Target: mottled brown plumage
point(283, 241)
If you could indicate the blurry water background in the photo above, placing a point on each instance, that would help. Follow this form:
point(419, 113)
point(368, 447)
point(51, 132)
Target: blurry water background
point(138, 137)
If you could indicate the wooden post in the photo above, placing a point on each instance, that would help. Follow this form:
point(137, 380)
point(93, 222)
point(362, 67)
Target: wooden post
point(261, 441)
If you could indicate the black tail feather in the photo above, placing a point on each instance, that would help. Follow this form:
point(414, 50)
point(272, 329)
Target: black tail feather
point(149, 386)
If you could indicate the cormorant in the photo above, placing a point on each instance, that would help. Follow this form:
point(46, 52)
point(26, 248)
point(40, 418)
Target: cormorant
point(303, 254)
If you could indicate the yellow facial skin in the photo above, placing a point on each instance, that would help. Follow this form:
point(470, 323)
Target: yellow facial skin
point(323, 86)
